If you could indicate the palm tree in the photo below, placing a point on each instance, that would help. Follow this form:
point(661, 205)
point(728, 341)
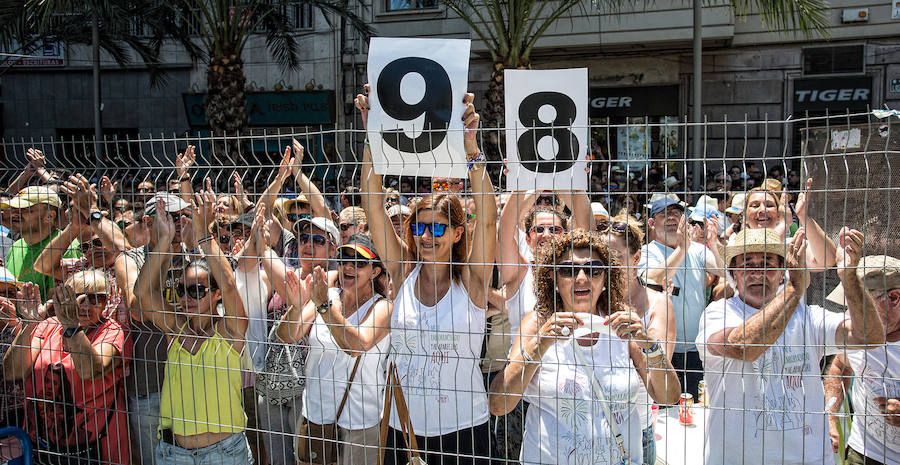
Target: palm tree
point(511, 29)
point(223, 29)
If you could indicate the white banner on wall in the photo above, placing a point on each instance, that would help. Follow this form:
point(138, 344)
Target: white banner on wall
point(547, 128)
point(416, 94)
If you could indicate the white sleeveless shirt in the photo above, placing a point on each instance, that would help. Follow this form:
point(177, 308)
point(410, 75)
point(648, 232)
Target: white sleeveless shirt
point(328, 368)
point(437, 351)
point(521, 304)
point(566, 423)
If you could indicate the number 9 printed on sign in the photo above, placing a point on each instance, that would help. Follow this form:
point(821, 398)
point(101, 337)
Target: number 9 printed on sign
point(546, 128)
point(415, 125)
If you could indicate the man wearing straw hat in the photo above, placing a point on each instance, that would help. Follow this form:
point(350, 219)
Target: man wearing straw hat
point(761, 351)
point(875, 431)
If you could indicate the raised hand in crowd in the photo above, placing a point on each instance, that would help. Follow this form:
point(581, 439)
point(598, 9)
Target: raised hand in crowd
point(108, 191)
point(183, 162)
point(28, 305)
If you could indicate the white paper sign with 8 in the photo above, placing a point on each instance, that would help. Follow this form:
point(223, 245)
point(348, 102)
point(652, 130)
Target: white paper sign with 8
point(547, 128)
point(417, 86)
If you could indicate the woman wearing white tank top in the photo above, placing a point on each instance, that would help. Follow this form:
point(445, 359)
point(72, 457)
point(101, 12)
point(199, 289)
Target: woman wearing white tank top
point(583, 389)
point(653, 306)
point(343, 325)
point(438, 324)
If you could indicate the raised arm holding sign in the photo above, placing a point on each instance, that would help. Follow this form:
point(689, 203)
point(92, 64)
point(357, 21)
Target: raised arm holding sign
point(547, 135)
point(415, 125)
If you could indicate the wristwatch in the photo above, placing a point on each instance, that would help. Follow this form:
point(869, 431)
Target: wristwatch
point(323, 307)
point(96, 216)
point(70, 332)
point(654, 351)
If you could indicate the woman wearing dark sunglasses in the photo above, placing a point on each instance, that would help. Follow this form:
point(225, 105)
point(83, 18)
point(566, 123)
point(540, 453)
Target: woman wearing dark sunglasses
point(201, 411)
point(653, 306)
point(580, 359)
point(348, 343)
point(437, 327)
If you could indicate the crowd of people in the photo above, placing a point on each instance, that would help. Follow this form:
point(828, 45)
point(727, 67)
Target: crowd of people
point(368, 321)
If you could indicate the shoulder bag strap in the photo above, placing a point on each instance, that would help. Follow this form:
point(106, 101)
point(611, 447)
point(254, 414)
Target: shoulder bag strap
point(386, 415)
point(597, 389)
point(403, 414)
point(347, 391)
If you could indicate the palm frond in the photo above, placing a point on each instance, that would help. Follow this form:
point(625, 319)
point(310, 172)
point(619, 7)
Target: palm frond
point(805, 16)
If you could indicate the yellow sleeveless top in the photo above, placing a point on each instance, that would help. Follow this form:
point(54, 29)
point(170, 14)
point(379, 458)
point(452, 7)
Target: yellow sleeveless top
point(201, 393)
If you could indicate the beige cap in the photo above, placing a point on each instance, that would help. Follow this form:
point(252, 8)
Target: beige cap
point(33, 195)
point(875, 272)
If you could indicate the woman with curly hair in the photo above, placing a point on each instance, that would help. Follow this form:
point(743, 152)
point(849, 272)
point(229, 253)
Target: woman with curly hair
point(580, 359)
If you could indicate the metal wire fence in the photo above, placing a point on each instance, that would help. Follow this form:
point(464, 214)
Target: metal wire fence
point(307, 309)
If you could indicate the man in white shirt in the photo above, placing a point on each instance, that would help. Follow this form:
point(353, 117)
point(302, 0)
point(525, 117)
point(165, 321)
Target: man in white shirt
point(679, 254)
point(875, 431)
point(761, 351)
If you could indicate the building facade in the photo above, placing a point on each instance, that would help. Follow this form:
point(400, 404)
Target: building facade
point(639, 61)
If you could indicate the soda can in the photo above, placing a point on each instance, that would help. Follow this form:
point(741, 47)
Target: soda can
point(685, 409)
point(701, 393)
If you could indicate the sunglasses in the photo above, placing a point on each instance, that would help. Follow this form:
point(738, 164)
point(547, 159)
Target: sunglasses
point(95, 244)
point(194, 291)
point(570, 269)
point(317, 239)
point(345, 226)
point(175, 216)
point(618, 227)
point(437, 229)
point(440, 186)
point(294, 217)
point(696, 223)
point(544, 200)
point(124, 224)
point(541, 229)
point(357, 260)
point(95, 300)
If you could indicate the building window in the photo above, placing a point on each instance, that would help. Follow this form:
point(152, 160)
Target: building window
point(404, 5)
point(299, 15)
point(843, 59)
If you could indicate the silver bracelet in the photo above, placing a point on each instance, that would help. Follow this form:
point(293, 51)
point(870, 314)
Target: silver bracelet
point(528, 358)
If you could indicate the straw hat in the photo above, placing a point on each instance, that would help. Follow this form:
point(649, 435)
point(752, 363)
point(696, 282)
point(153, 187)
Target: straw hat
point(876, 272)
point(747, 240)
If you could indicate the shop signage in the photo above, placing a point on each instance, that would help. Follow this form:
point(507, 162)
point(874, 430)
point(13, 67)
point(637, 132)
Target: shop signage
point(633, 101)
point(835, 95)
point(273, 108)
point(43, 53)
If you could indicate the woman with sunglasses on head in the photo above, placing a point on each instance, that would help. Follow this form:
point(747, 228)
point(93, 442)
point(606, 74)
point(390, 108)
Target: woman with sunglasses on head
point(347, 329)
point(580, 359)
point(201, 411)
point(73, 366)
point(649, 301)
point(438, 322)
point(101, 243)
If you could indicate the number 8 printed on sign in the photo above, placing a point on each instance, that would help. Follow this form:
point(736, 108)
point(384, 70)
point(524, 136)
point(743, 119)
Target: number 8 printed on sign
point(547, 135)
point(415, 126)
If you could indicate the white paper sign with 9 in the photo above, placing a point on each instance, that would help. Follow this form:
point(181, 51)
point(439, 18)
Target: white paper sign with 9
point(547, 128)
point(415, 125)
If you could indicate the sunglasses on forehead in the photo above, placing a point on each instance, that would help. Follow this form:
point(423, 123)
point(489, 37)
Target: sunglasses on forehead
point(544, 200)
point(617, 226)
point(294, 217)
point(440, 186)
point(346, 226)
point(570, 269)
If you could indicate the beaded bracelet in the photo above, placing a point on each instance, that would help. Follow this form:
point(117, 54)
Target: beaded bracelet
point(477, 157)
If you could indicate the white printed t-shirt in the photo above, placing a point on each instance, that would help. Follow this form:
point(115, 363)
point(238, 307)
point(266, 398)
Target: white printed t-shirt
point(770, 410)
point(438, 352)
point(876, 373)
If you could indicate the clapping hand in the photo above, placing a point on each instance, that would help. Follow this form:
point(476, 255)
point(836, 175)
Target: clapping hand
point(64, 301)
point(298, 289)
point(795, 261)
point(849, 252)
point(185, 160)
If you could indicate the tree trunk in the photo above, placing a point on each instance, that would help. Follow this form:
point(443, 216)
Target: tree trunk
point(226, 105)
point(493, 114)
